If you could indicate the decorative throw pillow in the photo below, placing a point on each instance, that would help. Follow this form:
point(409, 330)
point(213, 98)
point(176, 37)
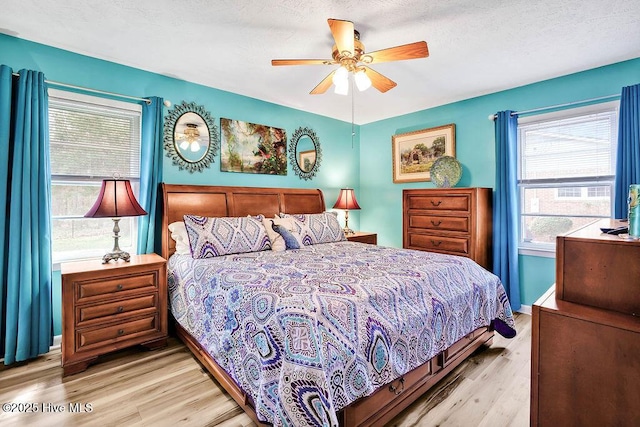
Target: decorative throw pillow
point(290, 239)
point(277, 242)
point(318, 228)
point(179, 235)
point(212, 237)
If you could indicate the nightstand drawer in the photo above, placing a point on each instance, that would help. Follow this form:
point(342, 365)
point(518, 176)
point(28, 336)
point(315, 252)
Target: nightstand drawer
point(363, 237)
point(429, 242)
point(104, 335)
point(114, 285)
point(447, 223)
point(127, 307)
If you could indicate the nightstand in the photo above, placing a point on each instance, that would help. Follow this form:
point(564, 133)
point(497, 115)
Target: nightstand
point(107, 307)
point(363, 237)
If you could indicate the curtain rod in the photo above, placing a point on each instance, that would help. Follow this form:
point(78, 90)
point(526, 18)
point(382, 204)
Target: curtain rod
point(86, 89)
point(552, 107)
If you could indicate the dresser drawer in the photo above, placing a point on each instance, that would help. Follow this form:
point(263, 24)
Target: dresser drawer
point(97, 312)
point(448, 223)
point(440, 202)
point(437, 243)
point(87, 339)
point(147, 281)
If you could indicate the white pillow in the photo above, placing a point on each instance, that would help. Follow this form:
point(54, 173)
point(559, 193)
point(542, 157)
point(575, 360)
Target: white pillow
point(277, 241)
point(179, 234)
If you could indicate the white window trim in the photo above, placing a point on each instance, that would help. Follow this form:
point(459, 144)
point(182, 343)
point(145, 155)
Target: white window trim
point(549, 251)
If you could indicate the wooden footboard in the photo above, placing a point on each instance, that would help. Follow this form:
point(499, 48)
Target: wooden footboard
point(376, 409)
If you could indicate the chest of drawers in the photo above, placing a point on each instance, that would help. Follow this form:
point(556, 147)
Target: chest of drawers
point(107, 307)
point(456, 221)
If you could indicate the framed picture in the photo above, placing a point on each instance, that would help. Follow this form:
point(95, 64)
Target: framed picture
point(252, 148)
point(413, 153)
point(306, 160)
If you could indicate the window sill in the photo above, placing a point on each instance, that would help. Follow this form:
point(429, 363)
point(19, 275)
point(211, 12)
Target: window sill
point(543, 253)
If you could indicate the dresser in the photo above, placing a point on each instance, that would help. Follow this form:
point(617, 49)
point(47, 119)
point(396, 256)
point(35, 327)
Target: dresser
point(456, 221)
point(585, 350)
point(107, 307)
point(363, 237)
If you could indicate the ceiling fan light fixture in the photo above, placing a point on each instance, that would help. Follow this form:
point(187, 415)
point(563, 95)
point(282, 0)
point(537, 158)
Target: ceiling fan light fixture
point(341, 77)
point(195, 146)
point(184, 144)
point(342, 88)
point(362, 80)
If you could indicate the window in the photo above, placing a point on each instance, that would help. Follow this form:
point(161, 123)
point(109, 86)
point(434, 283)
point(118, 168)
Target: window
point(91, 139)
point(566, 171)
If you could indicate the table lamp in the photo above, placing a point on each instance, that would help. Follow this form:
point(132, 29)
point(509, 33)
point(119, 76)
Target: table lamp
point(116, 200)
point(347, 200)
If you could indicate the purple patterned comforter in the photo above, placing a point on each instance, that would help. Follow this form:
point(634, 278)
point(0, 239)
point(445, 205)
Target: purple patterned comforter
point(306, 332)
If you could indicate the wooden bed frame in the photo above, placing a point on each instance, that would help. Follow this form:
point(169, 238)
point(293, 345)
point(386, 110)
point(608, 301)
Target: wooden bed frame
point(376, 409)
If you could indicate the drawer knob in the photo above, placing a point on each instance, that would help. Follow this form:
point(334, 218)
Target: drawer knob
point(119, 287)
point(436, 243)
point(120, 331)
point(120, 309)
point(436, 203)
point(397, 390)
point(436, 223)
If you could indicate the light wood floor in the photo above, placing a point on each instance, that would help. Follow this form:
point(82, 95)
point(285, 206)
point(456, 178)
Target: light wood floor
point(168, 387)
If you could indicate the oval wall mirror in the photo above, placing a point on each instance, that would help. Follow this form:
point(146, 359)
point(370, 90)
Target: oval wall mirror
point(190, 137)
point(305, 153)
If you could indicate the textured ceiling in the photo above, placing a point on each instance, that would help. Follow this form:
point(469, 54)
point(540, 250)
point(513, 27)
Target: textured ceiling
point(476, 47)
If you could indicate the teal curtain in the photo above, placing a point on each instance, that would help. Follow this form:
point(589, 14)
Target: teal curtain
point(628, 159)
point(25, 272)
point(150, 176)
point(506, 206)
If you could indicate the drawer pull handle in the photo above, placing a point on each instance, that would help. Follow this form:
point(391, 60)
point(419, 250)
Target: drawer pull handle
point(120, 309)
point(119, 287)
point(436, 223)
point(436, 243)
point(120, 331)
point(436, 203)
point(397, 390)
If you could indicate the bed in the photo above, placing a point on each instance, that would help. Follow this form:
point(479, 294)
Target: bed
point(338, 333)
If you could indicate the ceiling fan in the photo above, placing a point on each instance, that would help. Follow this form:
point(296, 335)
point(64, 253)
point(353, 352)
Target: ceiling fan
point(349, 53)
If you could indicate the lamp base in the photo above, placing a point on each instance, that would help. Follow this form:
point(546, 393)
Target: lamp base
point(116, 253)
point(348, 231)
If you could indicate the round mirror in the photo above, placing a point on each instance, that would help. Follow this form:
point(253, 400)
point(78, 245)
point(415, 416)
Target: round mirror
point(190, 137)
point(305, 153)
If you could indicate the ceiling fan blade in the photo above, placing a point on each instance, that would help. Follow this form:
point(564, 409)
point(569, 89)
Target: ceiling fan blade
point(276, 62)
point(323, 85)
point(379, 81)
point(343, 34)
point(398, 53)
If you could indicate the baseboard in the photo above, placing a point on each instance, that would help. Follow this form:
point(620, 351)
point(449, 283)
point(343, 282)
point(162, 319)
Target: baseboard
point(57, 340)
point(525, 309)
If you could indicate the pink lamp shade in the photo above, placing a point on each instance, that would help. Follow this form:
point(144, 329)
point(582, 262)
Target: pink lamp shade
point(346, 200)
point(115, 200)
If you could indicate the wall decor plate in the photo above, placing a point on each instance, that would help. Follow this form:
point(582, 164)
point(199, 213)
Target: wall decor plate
point(446, 172)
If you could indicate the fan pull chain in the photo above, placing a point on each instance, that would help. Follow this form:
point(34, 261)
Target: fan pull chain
point(353, 131)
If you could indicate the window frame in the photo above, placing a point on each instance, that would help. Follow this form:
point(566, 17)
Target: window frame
point(548, 249)
point(64, 96)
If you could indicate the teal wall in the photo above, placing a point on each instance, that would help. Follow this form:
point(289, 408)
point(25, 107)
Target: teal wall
point(365, 167)
point(475, 149)
point(340, 161)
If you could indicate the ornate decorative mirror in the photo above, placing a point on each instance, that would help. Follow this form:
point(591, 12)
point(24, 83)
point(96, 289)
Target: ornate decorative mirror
point(305, 153)
point(190, 137)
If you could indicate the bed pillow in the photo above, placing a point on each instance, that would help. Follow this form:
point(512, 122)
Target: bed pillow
point(179, 235)
point(318, 228)
point(212, 237)
point(287, 233)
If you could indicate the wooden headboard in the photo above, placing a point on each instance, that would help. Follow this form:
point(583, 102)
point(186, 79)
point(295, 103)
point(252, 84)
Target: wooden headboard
point(217, 201)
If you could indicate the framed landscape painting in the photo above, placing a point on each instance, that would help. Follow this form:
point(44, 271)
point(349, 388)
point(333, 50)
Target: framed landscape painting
point(252, 148)
point(413, 153)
